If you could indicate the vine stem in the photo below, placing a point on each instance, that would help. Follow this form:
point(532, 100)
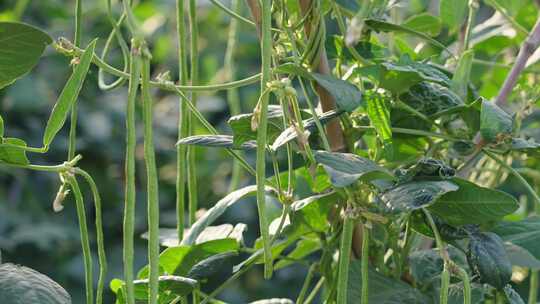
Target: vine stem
point(73, 118)
point(130, 192)
point(365, 264)
point(266, 72)
point(305, 286)
point(194, 76)
point(152, 183)
point(183, 127)
point(83, 227)
point(315, 290)
point(445, 276)
point(99, 233)
point(344, 258)
point(473, 8)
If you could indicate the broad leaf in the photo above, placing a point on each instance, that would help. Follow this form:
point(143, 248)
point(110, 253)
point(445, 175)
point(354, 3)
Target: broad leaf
point(346, 95)
point(462, 75)
point(424, 23)
point(241, 126)
point(382, 290)
point(273, 301)
point(525, 234)
point(303, 248)
point(487, 258)
point(176, 285)
point(212, 265)
point(521, 257)
point(345, 169)
point(415, 195)
point(453, 12)
point(12, 151)
point(473, 204)
point(427, 265)
point(21, 45)
point(69, 95)
point(313, 211)
point(431, 99)
point(168, 237)
point(512, 296)
point(216, 141)
point(495, 123)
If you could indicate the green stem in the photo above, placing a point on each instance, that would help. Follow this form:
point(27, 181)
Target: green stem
point(344, 257)
point(232, 94)
point(130, 192)
point(467, 291)
point(306, 284)
point(473, 8)
point(365, 264)
point(183, 127)
point(152, 184)
point(73, 118)
point(87, 255)
point(266, 54)
point(445, 275)
point(99, 234)
point(533, 287)
point(315, 290)
point(194, 76)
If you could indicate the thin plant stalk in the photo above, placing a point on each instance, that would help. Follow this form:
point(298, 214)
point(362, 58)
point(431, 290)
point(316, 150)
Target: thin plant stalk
point(83, 227)
point(152, 183)
point(73, 118)
point(445, 275)
point(130, 192)
point(183, 127)
point(306, 284)
point(344, 257)
point(365, 264)
point(194, 76)
point(102, 257)
point(266, 54)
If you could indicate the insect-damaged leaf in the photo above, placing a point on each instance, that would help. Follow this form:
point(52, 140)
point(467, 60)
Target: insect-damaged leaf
point(68, 96)
point(21, 45)
point(216, 141)
point(415, 195)
point(473, 204)
point(495, 123)
point(431, 99)
point(487, 258)
point(12, 151)
point(344, 168)
point(525, 234)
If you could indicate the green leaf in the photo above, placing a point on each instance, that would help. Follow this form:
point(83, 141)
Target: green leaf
point(20, 48)
point(177, 285)
point(525, 234)
point(462, 75)
point(313, 211)
point(12, 151)
point(382, 290)
point(512, 296)
point(273, 301)
point(351, 5)
point(69, 95)
point(216, 141)
point(415, 195)
point(180, 260)
point(383, 26)
point(346, 95)
point(455, 293)
point(495, 123)
point(487, 258)
point(473, 204)
point(521, 257)
point(379, 115)
point(432, 99)
point(216, 211)
point(525, 145)
point(345, 169)
point(168, 237)
point(241, 126)
point(212, 265)
point(1, 128)
point(453, 12)
point(291, 133)
point(427, 265)
point(303, 248)
point(424, 23)
point(23, 285)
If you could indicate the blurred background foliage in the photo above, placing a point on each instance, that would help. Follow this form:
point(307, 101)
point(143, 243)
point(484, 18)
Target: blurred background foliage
point(33, 235)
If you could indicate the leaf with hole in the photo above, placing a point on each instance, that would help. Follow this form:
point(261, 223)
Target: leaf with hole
point(69, 95)
point(20, 49)
point(345, 169)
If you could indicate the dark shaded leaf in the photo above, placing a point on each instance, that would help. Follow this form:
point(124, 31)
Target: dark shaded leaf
point(212, 265)
point(495, 123)
point(346, 95)
point(521, 257)
point(345, 169)
point(525, 234)
point(303, 248)
point(487, 258)
point(415, 195)
point(69, 95)
point(512, 296)
point(432, 99)
point(177, 285)
point(21, 45)
point(216, 141)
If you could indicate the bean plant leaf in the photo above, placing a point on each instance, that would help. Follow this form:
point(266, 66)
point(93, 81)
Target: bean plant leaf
point(379, 115)
point(346, 95)
point(273, 301)
point(495, 123)
point(453, 12)
point(525, 234)
point(345, 169)
point(431, 99)
point(519, 256)
point(21, 285)
point(69, 95)
point(21, 46)
point(217, 141)
point(512, 296)
point(487, 258)
point(12, 151)
point(473, 204)
point(382, 290)
point(415, 195)
point(462, 75)
point(241, 126)
point(168, 237)
point(212, 265)
point(1, 128)
point(177, 285)
point(303, 248)
point(313, 211)
point(424, 23)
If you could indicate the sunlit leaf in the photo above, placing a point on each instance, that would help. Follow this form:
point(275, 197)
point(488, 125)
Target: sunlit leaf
point(216, 141)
